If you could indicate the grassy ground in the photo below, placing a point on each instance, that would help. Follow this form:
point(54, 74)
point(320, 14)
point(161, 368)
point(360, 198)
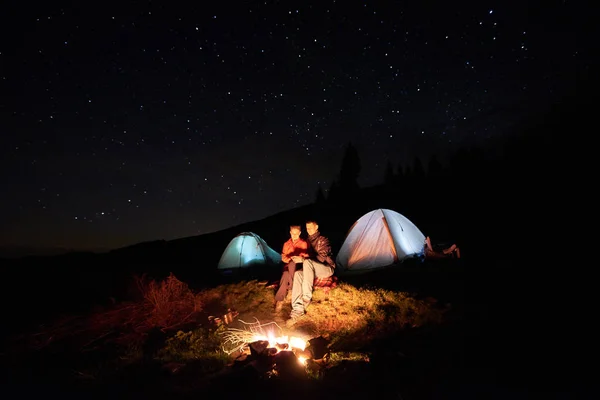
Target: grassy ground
point(419, 332)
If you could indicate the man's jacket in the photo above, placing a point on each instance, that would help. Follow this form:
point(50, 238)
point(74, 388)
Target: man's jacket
point(320, 249)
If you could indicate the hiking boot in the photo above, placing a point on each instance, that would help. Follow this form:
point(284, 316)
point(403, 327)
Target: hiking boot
point(294, 316)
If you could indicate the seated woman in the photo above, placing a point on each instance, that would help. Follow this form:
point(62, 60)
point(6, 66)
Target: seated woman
point(295, 246)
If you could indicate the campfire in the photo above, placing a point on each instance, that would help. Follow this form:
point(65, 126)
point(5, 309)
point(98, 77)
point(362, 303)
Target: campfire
point(281, 343)
point(263, 347)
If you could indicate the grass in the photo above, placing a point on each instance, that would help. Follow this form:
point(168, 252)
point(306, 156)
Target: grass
point(171, 327)
point(346, 310)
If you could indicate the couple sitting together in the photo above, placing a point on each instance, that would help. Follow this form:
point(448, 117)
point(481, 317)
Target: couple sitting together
point(316, 261)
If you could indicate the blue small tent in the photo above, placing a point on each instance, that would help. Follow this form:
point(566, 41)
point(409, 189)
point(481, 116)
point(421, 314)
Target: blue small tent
point(247, 250)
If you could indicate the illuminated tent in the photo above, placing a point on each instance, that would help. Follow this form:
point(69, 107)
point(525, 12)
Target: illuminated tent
point(380, 238)
point(248, 250)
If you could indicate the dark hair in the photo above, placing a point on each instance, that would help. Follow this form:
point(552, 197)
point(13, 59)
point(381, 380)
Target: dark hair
point(312, 221)
point(296, 227)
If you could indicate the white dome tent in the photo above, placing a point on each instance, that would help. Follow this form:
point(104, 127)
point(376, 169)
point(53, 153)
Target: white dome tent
point(378, 239)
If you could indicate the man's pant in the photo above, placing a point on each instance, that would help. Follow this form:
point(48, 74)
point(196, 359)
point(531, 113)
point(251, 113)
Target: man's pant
point(302, 289)
point(286, 281)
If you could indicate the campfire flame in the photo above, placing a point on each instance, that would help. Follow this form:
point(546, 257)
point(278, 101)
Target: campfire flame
point(279, 342)
point(283, 343)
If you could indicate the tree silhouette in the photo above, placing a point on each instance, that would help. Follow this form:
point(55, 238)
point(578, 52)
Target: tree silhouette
point(350, 169)
point(399, 174)
point(435, 172)
point(389, 177)
point(434, 167)
point(346, 183)
point(418, 171)
point(320, 196)
point(334, 191)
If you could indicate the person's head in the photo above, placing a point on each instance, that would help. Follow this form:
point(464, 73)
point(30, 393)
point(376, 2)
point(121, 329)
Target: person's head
point(295, 231)
point(311, 227)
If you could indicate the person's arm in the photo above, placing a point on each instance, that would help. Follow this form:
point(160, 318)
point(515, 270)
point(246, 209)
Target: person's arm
point(303, 247)
point(324, 250)
point(285, 253)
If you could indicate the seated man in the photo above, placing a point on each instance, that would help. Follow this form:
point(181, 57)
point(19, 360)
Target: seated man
point(294, 247)
point(318, 264)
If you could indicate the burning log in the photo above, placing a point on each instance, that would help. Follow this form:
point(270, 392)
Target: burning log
point(258, 347)
point(271, 351)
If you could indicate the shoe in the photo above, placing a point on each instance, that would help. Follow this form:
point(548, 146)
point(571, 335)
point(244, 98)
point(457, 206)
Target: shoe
point(294, 317)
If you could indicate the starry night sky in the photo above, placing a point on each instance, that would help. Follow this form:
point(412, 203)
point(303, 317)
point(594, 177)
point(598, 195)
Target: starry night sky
point(140, 121)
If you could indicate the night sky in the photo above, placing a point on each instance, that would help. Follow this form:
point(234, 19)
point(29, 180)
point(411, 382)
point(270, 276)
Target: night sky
point(135, 122)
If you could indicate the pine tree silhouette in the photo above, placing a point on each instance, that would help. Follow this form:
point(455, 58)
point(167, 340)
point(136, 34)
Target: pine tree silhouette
point(434, 167)
point(346, 183)
point(334, 191)
point(418, 171)
point(350, 169)
point(399, 174)
point(389, 177)
point(320, 196)
point(435, 172)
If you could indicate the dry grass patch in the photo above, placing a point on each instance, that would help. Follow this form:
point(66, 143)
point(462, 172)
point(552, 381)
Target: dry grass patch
point(374, 313)
point(164, 305)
